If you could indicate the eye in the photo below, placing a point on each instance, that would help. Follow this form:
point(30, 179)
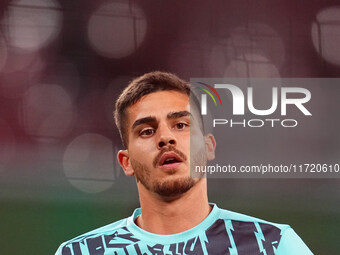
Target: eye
point(181, 125)
point(146, 132)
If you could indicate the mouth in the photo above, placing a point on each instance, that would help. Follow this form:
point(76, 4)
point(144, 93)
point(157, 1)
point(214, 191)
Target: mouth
point(170, 160)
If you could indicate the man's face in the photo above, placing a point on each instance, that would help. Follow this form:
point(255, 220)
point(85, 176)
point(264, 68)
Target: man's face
point(159, 128)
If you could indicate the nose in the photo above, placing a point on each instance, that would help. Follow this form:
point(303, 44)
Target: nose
point(166, 138)
point(165, 142)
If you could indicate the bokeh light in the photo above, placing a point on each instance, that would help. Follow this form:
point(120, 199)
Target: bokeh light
point(47, 112)
point(31, 24)
point(251, 50)
point(20, 72)
point(117, 29)
point(220, 55)
point(251, 65)
point(23, 61)
point(258, 38)
point(326, 34)
point(88, 163)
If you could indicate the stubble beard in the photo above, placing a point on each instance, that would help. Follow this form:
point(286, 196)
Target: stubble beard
point(171, 186)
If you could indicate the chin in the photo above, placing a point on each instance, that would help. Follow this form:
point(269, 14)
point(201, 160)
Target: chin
point(173, 187)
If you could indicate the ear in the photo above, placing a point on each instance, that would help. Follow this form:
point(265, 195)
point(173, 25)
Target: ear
point(210, 145)
point(124, 161)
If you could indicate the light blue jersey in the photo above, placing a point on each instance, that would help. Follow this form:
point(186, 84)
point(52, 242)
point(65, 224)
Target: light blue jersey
point(221, 232)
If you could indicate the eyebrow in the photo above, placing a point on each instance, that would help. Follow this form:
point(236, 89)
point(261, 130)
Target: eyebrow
point(151, 119)
point(175, 115)
point(144, 120)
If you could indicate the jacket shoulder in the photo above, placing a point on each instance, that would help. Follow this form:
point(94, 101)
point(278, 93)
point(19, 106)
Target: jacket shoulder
point(107, 229)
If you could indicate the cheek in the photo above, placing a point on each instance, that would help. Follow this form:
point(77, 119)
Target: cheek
point(140, 144)
point(142, 152)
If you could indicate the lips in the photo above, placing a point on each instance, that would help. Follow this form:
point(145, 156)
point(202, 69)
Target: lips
point(170, 159)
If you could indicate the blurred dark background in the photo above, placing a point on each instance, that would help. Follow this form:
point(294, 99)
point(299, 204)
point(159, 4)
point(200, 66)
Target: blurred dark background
point(63, 63)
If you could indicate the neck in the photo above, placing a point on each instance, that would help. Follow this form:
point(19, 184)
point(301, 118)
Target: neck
point(170, 216)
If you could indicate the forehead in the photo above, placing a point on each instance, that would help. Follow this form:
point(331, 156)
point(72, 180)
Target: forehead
point(158, 104)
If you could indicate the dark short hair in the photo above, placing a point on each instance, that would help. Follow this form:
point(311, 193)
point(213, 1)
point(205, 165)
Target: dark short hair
point(141, 86)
